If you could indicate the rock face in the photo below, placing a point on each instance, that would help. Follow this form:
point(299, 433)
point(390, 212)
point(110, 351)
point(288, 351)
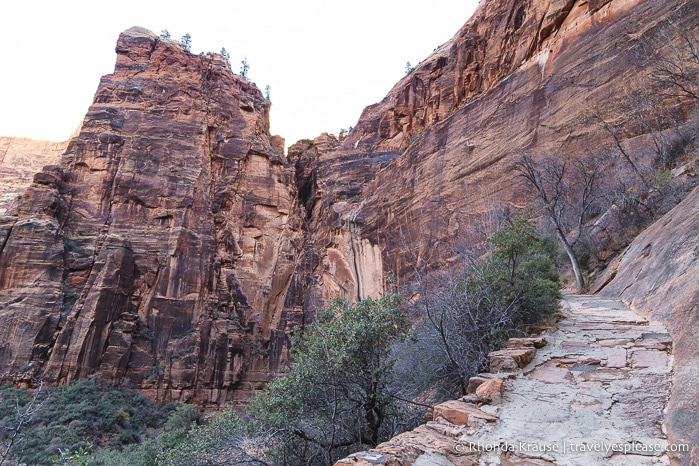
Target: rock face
point(659, 276)
point(415, 177)
point(160, 251)
point(20, 159)
point(174, 245)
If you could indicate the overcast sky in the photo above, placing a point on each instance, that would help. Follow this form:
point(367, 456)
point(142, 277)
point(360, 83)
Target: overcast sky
point(324, 60)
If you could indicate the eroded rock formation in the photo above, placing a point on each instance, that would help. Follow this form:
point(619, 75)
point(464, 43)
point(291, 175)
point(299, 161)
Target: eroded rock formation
point(158, 253)
point(174, 245)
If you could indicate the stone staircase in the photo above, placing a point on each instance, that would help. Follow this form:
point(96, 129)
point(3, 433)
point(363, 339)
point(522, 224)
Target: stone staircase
point(591, 391)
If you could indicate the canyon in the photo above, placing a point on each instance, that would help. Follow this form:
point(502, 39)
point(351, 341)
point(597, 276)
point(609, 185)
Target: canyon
point(171, 245)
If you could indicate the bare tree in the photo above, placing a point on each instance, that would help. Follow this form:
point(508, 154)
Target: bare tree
point(567, 191)
point(24, 414)
point(644, 188)
point(469, 313)
point(675, 53)
point(464, 317)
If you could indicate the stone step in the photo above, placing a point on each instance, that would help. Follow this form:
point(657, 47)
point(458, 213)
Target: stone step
point(590, 386)
point(536, 342)
point(486, 389)
point(510, 359)
point(461, 413)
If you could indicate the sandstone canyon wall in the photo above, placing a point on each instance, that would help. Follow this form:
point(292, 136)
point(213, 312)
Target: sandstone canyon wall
point(174, 245)
point(539, 78)
point(158, 252)
point(658, 274)
point(420, 170)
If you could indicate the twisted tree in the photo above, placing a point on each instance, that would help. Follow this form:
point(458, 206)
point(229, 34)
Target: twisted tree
point(567, 192)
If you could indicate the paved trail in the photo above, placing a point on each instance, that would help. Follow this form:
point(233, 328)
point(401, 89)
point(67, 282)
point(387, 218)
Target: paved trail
point(594, 395)
point(600, 384)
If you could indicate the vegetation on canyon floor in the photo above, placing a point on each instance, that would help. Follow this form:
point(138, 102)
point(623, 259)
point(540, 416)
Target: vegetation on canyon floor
point(37, 427)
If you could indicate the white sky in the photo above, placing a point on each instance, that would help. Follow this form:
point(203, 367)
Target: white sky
point(324, 61)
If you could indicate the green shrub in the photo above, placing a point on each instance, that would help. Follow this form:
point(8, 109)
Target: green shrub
point(184, 333)
point(83, 415)
point(337, 395)
point(522, 265)
point(146, 333)
point(469, 314)
point(223, 439)
point(142, 454)
point(663, 176)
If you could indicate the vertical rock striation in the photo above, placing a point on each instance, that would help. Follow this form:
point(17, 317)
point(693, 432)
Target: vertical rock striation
point(174, 245)
point(415, 178)
point(159, 252)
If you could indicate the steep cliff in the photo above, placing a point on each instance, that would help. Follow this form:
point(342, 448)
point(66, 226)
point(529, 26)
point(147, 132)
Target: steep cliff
point(416, 175)
point(420, 170)
point(158, 252)
point(174, 245)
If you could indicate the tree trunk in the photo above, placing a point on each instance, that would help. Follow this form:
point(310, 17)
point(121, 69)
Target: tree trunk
point(373, 417)
point(579, 281)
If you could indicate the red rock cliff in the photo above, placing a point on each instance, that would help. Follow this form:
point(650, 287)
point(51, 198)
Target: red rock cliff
point(415, 175)
point(412, 179)
point(159, 251)
point(173, 246)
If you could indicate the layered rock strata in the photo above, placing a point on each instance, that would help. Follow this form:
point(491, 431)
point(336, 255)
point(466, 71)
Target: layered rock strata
point(158, 253)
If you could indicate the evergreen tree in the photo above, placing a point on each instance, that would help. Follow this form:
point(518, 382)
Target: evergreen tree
point(337, 396)
point(226, 56)
point(186, 42)
point(244, 68)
